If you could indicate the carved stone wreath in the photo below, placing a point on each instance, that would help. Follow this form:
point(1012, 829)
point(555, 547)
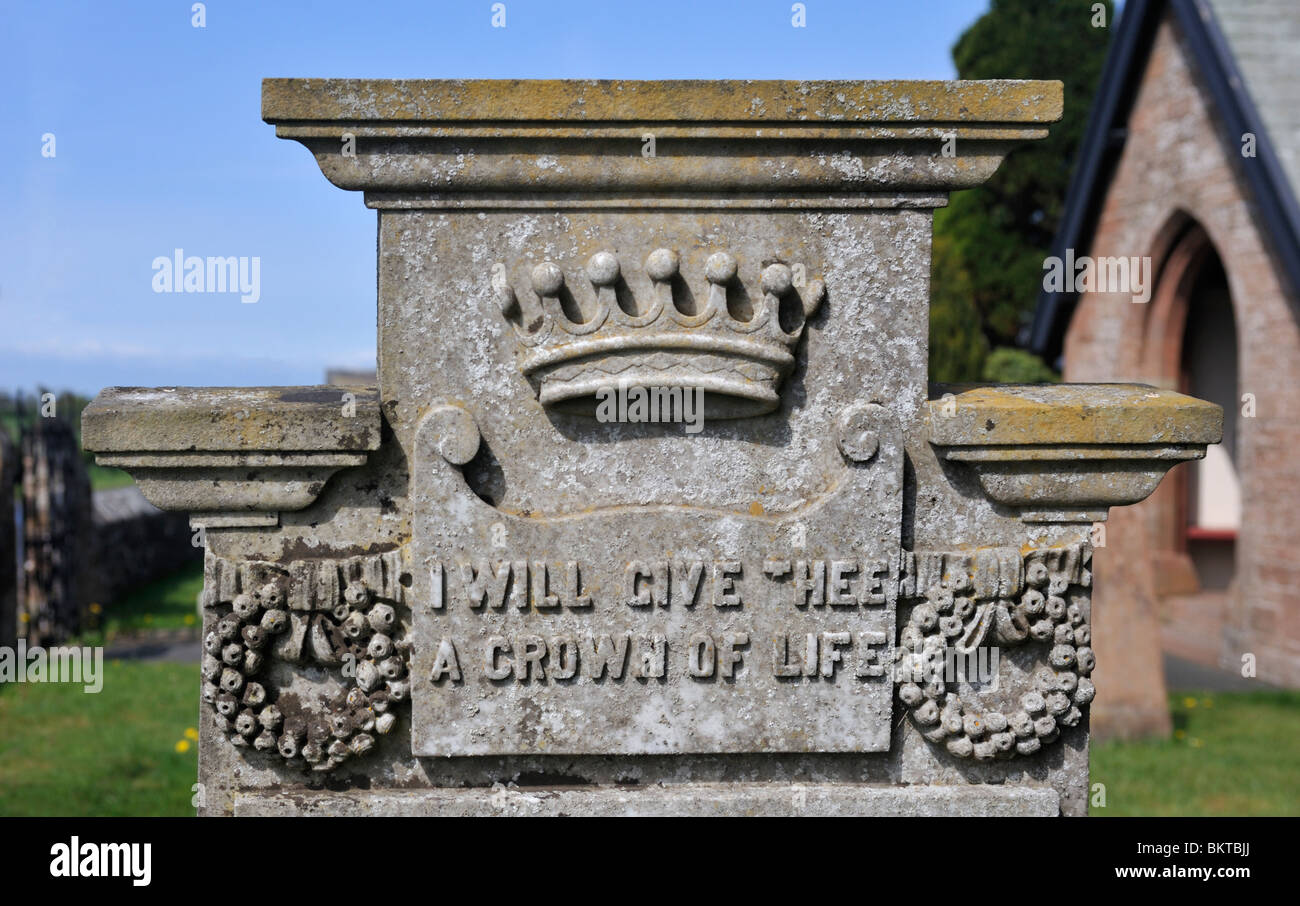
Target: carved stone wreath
point(343, 614)
point(999, 597)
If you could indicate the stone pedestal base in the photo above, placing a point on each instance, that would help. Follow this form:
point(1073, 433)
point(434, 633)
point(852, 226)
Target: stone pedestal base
point(691, 800)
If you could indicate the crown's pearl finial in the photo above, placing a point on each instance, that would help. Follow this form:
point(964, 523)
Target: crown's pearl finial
point(602, 269)
point(547, 279)
point(720, 268)
point(812, 297)
point(777, 279)
point(662, 264)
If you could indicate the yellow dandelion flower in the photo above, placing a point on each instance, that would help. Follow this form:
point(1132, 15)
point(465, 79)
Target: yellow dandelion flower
point(191, 733)
point(189, 619)
point(1189, 702)
point(148, 618)
point(183, 745)
point(1180, 734)
point(1195, 743)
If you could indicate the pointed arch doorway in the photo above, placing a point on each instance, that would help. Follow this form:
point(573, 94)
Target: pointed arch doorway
point(1190, 345)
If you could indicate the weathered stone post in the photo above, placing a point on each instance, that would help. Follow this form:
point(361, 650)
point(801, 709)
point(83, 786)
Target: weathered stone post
point(8, 544)
point(56, 527)
point(653, 510)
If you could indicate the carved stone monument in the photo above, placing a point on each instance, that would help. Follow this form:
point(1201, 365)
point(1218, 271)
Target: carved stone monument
point(8, 543)
point(56, 528)
point(653, 510)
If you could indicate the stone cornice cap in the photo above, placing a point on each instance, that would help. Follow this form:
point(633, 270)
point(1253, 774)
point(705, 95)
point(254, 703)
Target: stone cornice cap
point(995, 101)
point(232, 456)
point(1069, 452)
point(232, 419)
point(438, 141)
point(1056, 414)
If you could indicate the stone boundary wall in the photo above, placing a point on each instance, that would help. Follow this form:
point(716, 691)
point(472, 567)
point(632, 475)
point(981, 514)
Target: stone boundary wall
point(132, 542)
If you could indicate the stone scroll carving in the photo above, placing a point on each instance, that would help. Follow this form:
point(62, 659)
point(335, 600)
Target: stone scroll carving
point(733, 344)
point(966, 600)
point(342, 615)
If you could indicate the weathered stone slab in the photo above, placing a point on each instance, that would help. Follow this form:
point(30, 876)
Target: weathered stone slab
point(297, 102)
point(516, 145)
point(1035, 415)
point(9, 464)
point(1069, 452)
point(232, 456)
point(56, 510)
point(658, 629)
point(231, 419)
point(846, 800)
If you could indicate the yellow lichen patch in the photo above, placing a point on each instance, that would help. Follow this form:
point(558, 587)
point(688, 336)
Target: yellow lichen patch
point(885, 101)
point(1029, 414)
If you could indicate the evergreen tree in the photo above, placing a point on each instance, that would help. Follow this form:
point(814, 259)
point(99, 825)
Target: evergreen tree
point(991, 240)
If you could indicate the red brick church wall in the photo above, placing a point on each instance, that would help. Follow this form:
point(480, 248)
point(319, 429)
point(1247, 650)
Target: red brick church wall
point(1178, 166)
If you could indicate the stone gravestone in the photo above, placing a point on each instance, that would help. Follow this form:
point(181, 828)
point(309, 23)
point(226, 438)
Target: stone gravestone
point(56, 529)
point(653, 510)
point(8, 543)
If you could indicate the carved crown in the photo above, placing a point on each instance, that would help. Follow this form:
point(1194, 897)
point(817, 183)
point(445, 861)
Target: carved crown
point(578, 341)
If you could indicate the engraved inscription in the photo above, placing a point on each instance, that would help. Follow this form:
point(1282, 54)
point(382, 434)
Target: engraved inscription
point(513, 619)
point(662, 628)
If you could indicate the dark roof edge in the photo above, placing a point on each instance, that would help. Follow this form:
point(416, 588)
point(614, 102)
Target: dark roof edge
point(1267, 182)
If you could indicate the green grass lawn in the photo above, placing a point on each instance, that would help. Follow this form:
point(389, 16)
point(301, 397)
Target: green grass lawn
point(1231, 754)
point(126, 750)
point(129, 751)
point(104, 478)
point(168, 603)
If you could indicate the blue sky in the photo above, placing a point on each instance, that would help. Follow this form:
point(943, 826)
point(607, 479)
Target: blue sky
point(159, 145)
